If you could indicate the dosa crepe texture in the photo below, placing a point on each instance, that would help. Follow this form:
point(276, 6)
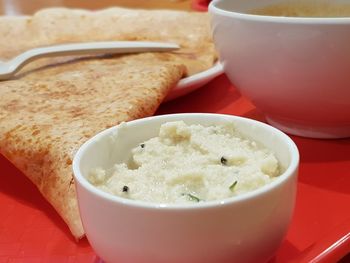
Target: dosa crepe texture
point(190, 30)
point(54, 105)
point(44, 122)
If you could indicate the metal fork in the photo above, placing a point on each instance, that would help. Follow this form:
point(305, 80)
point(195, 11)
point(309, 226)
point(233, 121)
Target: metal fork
point(9, 68)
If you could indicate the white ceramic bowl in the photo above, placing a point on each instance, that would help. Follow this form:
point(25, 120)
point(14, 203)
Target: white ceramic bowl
point(247, 228)
point(295, 70)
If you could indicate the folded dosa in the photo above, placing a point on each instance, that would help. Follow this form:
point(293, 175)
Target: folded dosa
point(190, 30)
point(54, 105)
point(43, 122)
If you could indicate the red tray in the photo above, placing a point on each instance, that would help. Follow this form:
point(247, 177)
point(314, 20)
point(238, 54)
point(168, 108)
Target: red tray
point(200, 5)
point(31, 231)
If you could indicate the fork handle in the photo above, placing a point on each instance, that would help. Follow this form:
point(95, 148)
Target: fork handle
point(88, 48)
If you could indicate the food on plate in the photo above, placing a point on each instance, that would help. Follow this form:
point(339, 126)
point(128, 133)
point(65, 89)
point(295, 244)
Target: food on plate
point(54, 105)
point(191, 30)
point(189, 163)
point(44, 121)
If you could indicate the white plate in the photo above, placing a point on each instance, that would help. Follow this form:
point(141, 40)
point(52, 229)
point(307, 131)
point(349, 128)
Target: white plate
point(194, 82)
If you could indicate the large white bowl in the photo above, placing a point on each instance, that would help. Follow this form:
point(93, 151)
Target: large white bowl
point(247, 228)
point(295, 70)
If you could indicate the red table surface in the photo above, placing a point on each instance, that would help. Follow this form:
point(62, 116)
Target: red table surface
point(31, 231)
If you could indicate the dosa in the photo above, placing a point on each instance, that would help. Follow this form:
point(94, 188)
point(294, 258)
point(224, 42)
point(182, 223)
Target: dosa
point(54, 105)
point(44, 121)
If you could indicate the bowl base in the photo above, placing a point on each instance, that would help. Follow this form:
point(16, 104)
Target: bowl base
point(319, 132)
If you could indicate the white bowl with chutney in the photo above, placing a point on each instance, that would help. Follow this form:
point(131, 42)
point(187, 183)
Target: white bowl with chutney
point(245, 228)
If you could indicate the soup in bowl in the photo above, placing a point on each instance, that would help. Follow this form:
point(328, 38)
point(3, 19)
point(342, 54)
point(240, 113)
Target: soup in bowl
point(291, 59)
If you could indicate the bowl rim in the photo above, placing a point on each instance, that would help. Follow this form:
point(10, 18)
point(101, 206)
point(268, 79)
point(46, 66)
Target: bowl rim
point(214, 9)
point(291, 170)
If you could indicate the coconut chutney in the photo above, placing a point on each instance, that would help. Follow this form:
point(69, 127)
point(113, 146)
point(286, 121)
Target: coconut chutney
point(190, 163)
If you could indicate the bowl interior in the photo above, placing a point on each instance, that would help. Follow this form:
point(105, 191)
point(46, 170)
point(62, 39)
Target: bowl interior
point(244, 6)
point(114, 145)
